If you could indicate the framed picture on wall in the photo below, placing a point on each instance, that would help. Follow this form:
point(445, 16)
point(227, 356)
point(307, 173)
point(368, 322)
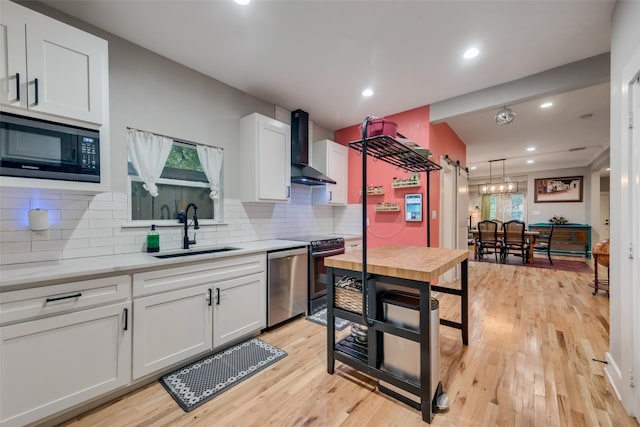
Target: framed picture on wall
point(553, 190)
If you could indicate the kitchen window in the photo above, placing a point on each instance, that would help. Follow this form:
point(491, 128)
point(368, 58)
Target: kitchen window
point(182, 181)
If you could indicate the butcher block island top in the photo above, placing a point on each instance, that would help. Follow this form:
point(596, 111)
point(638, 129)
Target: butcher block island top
point(405, 262)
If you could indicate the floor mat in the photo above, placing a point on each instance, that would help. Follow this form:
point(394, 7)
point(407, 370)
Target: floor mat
point(200, 381)
point(320, 317)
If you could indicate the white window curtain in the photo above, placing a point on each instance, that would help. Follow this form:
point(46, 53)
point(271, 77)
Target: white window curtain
point(211, 161)
point(148, 153)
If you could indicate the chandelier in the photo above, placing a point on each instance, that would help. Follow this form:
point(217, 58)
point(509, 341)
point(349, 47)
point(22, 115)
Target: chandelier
point(505, 116)
point(499, 185)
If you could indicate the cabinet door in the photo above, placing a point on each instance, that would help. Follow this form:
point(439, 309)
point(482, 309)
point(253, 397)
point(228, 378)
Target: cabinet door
point(13, 60)
point(274, 161)
point(239, 308)
point(170, 327)
point(265, 145)
point(51, 364)
point(337, 164)
point(67, 69)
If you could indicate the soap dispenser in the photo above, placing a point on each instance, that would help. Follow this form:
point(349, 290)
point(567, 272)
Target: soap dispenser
point(153, 240)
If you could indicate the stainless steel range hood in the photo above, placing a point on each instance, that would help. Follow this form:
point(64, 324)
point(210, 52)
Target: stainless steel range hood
point(301, 172)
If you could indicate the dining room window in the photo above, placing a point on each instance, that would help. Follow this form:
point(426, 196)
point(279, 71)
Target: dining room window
point(503, 207)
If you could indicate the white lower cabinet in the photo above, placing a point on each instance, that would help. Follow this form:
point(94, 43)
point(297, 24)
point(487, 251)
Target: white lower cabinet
point(50, 364)
point(184, 311)
point(170, 327)
point(240, 308)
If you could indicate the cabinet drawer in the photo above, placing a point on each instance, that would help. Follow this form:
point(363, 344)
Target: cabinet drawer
point(43, 301)
point(209, 271)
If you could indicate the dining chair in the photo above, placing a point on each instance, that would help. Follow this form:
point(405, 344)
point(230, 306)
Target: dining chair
point(514, 241)
point(488, 242)
point(543, 244)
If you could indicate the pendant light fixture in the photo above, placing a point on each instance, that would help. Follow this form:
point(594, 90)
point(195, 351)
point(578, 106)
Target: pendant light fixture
point(498, 186)
point(504, 116)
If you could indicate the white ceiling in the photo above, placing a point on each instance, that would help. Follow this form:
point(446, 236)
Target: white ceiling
point(320, 55)
point(560, 137)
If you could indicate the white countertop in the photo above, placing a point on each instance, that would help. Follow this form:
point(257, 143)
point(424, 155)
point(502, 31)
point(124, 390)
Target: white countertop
point(28, 275)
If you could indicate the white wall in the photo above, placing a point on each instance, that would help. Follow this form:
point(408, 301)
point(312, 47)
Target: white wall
point(624, 300)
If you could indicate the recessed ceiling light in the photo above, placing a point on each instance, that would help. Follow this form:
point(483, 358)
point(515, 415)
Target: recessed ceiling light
point(242, 2)
point(608, 169)
point(531, 149)
point(473, 168)
point(546, 105)
point(530, 161)
point(472, 52)
point(367, 92)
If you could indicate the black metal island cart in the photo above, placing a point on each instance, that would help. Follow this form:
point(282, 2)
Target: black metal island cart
point(405, 267)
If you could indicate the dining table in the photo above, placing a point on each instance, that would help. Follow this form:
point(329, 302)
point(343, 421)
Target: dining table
point(530, 235)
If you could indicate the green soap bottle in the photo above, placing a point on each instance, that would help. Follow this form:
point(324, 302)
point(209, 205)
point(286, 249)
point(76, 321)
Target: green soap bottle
point(153, 240)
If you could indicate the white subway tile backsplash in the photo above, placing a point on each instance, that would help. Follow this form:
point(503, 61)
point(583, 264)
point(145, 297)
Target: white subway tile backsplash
point(120, 197)
point(100, 232)
point(105, 223)
point(18, 258)
point(111, 241)
point(15, 247)
point(97, 214)
point(59, 204)
point(107, 205)
point(87, 252)
point(73, 214)
point(14, 203)
point(72, 224)
point(86, 225)
point(15, 236)
point(48, 245)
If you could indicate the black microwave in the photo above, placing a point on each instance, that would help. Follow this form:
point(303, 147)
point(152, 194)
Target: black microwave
point(33, 148)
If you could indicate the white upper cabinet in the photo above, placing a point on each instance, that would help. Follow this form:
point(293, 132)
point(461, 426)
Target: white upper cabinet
point(67, 68)
point(265, 150)
point(331, 159)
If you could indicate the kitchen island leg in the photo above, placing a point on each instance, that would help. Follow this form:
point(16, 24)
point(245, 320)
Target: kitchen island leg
point(331, 324)
point(465, 301)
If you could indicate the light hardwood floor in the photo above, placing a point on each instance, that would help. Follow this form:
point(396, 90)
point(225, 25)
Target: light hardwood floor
point(533, 336)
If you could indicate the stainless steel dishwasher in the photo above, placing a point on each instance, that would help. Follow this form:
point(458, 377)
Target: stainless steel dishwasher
point(287, 278)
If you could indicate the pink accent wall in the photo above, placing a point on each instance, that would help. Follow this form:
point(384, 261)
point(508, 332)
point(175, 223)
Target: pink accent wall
point(387, 228)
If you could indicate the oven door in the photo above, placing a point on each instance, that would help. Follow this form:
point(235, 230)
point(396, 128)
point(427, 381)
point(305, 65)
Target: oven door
point(318, 273)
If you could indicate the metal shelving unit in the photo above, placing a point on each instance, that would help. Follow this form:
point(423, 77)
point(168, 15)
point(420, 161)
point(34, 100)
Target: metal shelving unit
point(367, 357)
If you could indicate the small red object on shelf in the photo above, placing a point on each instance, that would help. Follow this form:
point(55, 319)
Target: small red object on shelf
point(381, 126)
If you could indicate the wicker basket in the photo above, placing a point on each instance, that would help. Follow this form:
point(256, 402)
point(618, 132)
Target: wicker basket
point(348, 299)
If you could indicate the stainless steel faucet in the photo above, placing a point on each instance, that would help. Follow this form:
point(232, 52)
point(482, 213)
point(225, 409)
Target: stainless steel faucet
point(186, 241)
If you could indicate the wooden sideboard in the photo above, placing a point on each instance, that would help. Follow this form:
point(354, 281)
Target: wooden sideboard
point(567, 238)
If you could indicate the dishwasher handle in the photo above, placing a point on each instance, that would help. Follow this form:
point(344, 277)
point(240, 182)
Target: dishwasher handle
point(287, 253)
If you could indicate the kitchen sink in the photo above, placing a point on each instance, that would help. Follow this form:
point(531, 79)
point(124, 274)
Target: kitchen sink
point(200, 252)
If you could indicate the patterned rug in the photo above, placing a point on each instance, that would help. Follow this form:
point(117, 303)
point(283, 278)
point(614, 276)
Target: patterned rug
point(320, 317)
point(201, 381)
point(541, 261)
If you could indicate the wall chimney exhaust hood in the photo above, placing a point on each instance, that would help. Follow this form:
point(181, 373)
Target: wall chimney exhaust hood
point(301, 172)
